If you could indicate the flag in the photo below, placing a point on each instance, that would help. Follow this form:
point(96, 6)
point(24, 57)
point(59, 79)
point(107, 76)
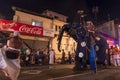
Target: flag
point(108, 28)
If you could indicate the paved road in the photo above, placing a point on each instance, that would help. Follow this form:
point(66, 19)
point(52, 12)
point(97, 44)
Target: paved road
point(65, 72)
point(45, 72)
point(107, 74)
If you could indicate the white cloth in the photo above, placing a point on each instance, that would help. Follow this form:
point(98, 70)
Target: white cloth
point(3, 64)
point(27, 52)
point(13, 67)
point(37, 53)
point(51, 57)
point(16, 33)
point(116, 56)
point(116, 59)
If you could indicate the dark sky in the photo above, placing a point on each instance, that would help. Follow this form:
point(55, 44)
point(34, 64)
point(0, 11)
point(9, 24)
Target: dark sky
point(66, 7)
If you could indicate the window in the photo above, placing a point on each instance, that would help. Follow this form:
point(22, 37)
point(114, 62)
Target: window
point(56, 28)
point(56, 17)
point(37, 23)
point(59, 27)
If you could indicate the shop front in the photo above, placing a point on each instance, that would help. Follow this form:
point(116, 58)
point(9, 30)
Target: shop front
point(36, 37)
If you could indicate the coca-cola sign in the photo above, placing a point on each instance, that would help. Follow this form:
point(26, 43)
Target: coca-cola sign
point(26, 29)
point(6, 25)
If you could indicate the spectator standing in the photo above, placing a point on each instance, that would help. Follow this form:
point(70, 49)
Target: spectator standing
point(116, 57)
point(51, 56)
point(69, 57)
point(111, 51)
point(63, 57)
point(45, 59)
point(41, 56)
point(107, 59)
point(27, 59)
point(37, 57)
point(32, 56)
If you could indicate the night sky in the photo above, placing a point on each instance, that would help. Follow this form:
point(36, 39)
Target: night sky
point(65, 7)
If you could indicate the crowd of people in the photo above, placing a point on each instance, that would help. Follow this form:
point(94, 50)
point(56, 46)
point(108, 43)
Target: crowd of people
point(114, 53)
point(44, 56)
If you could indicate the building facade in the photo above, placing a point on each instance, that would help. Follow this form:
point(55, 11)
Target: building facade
point(51, 23)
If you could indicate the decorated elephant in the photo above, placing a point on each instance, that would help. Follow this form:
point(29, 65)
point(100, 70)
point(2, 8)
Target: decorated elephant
point(88, 43)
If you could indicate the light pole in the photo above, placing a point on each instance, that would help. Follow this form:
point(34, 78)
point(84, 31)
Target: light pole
point(95, 11)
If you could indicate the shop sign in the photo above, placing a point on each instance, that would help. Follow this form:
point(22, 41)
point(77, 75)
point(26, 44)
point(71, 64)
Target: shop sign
point(6, 25)
point(48, 32)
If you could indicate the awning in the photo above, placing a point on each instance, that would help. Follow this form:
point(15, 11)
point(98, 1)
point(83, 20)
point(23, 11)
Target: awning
point(34, 38)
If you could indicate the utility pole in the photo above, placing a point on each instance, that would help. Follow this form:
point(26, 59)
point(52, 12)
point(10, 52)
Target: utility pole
point(95, 11)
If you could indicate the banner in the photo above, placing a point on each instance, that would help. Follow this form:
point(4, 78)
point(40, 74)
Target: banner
point(48, 32)
point(6, 25)
point(108, 28)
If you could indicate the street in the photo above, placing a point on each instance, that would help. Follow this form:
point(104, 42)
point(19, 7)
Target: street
point(65, 72)
point(45, 72)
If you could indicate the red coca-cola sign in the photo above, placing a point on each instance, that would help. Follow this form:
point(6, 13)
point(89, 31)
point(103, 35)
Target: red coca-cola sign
point(6, 25)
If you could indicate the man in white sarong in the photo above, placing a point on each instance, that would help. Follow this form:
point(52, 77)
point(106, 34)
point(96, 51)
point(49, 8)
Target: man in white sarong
point(3, 65)
point(13, 65)
point(51, 56)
